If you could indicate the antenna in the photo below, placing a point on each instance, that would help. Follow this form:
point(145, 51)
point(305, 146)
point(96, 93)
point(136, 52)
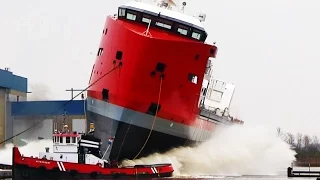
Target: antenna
point(202, 17)
point(167, 4)
point(183, 5)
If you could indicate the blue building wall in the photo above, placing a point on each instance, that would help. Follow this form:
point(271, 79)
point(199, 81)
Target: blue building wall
point(33, 108)
point(11, 81)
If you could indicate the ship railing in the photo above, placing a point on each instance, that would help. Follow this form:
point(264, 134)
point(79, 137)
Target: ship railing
point(211, 112)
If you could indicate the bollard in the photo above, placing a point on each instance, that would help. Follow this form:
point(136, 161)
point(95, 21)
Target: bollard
point(289, 172)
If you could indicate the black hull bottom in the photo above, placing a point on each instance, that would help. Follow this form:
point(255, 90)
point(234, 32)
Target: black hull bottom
point(130, 138)
point(22, 172)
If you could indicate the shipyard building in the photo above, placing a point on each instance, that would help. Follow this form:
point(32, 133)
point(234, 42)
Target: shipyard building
point(17, 113)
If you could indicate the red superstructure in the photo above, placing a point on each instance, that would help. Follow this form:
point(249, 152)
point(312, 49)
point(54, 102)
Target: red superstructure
point(153, 96)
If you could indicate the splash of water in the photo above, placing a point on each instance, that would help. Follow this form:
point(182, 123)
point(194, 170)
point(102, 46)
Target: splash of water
point(32, 148)
point(237, 150)
point(233, 151)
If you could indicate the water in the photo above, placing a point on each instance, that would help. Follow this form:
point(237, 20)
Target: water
point(248, 177)
point(238, 152)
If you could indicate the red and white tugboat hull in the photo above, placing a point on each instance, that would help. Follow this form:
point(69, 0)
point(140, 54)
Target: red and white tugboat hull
point(36, 168)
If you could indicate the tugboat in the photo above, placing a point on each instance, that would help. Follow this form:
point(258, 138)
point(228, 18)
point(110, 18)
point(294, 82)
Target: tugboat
point(78, 156)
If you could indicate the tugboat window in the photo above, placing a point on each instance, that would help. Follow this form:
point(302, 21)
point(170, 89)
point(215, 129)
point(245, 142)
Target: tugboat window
point(61, 140)
point(73, 139)
point(67, 139)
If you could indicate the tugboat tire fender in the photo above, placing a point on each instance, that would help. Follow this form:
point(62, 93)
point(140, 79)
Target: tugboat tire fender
point(94, 174)
point(116, 175)
point(25, 174)
point(55, 169)
point(73, 172)
point(42, 168)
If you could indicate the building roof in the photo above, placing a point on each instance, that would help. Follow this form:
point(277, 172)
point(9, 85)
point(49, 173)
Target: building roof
point(10, 81)
point(33, 108)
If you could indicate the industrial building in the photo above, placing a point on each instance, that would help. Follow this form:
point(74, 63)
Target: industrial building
point(18, 114)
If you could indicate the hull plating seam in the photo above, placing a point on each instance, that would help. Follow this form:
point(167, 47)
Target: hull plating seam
point(125, 134)
point(145, 120)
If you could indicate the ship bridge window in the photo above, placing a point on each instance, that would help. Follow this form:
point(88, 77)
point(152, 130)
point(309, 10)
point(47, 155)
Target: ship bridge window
point(146, 19)
point(196, 35)
point(131, 16)
point(164, 24)
point(61, 140)
point(122, 12)
point(182, 30)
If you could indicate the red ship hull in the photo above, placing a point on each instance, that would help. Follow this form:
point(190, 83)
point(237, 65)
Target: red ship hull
point(35, 168)
point(122, 104)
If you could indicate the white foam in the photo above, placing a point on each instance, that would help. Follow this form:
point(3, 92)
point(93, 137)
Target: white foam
point(32, 148)
point(234, 151)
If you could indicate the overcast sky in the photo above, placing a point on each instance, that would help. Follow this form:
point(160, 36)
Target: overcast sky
point(268, 48)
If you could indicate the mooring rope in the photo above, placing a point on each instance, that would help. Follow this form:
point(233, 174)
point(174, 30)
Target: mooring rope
point(154, 119)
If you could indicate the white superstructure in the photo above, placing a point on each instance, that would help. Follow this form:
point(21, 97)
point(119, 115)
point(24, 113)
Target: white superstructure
point(168, 12)
point(66, 148)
